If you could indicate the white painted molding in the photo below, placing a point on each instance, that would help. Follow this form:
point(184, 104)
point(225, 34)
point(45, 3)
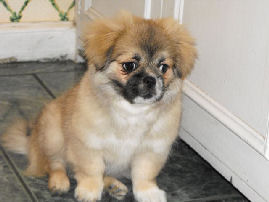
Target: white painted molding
point(87, 4)
point(266, 150)
point(161, 8)
point(243, 130)
point(147, 9)
point(92, 14)
point(37, 41)
point(181, 10)
point(178, 10)
point(78, 8)
point(227, 167)
point(205, 128)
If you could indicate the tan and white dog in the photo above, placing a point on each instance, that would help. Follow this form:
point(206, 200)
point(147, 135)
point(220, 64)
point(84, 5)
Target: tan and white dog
point(120, 119)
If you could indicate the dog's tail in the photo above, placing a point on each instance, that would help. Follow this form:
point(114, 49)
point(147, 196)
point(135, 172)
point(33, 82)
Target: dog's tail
point(16, 137)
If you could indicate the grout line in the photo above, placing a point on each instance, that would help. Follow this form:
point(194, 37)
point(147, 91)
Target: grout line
point(44, 86)
point(216, 197)
point(19, 177)
point(10, 75)
point(31, 73)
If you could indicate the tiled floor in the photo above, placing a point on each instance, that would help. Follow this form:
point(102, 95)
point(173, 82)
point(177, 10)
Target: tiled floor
point(25, 87)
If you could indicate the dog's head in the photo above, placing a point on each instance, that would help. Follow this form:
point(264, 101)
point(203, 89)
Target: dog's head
point(143, 60)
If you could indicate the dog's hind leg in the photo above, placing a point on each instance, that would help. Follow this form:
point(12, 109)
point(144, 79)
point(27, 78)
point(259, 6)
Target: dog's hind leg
point(52, 143)
point(115, 188)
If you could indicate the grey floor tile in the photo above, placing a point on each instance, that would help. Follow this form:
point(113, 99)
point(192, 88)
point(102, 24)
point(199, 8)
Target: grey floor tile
point(188, 177)
point(236, 199)
point(4, 109)
point(229, 199)
point(58, 82)
point(21, 88)
point(39, 186)
point(36, 67)
point(20, 96)
point(10, 187)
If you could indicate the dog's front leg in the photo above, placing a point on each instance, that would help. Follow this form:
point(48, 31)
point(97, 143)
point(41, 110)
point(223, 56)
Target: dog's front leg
point(89, 170)
point(145, 168)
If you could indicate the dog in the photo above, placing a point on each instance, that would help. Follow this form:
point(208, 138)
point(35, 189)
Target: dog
point(121, 119)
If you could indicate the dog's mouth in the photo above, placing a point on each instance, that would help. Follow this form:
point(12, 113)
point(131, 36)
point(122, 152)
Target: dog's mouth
point(141, 89)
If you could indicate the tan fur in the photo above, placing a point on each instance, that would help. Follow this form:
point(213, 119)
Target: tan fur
point(15, 138)
point(115, 188)
point(184, 42)
point(95, 130)
point(58, 181)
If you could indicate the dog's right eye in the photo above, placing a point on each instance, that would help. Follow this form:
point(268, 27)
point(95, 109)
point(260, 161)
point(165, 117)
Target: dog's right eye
point(128, 67)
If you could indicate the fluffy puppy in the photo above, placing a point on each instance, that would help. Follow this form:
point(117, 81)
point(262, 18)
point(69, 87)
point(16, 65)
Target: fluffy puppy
point(121, 118)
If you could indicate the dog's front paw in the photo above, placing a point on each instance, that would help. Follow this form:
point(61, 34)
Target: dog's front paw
point(152, 194)
point(58, 182)
point(87, 194)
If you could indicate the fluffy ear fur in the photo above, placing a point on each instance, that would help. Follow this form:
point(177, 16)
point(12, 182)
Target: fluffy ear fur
point(100, 36)
point(185, 46)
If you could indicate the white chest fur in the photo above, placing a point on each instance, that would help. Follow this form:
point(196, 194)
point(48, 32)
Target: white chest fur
point(132, 123)
point(128, 125)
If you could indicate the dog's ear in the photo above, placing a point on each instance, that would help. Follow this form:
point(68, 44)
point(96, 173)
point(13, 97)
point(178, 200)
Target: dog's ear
point(100, 36)
point(184, 45)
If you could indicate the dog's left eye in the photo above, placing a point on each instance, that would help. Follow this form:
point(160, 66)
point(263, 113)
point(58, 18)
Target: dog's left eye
point(163, 68)
point(128, 67)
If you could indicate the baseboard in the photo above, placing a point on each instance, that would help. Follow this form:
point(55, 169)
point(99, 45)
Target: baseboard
point(227, 143)
point(37, 41)
point(235, 124)
point(217, 162)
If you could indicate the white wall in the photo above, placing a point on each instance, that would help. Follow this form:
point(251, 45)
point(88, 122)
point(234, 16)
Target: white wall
point(233, 65)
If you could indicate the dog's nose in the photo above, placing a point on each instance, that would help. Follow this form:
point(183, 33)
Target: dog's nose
point(149, 81)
